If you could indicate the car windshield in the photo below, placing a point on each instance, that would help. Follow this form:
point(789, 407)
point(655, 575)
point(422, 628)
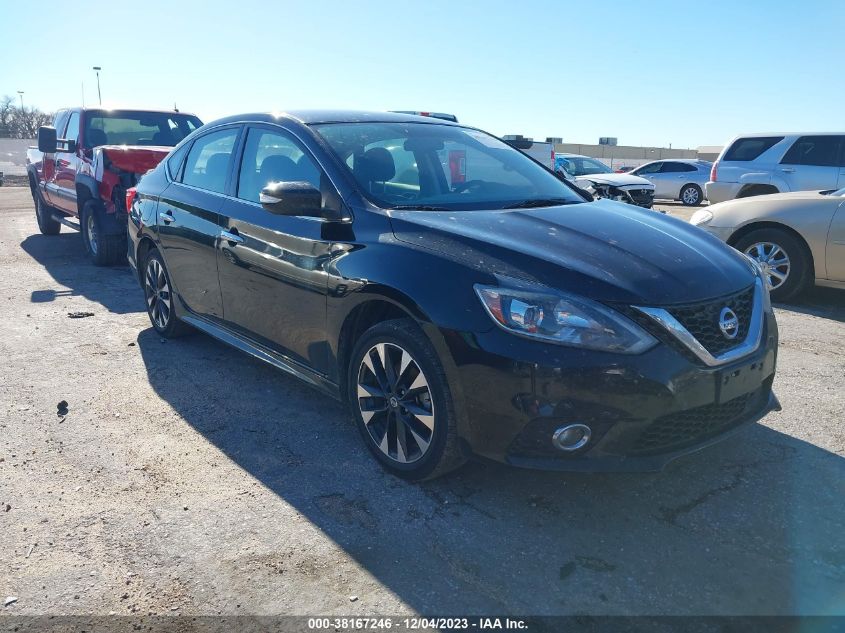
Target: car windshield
point(122, 127)
point(581, 166)
point(441, 167)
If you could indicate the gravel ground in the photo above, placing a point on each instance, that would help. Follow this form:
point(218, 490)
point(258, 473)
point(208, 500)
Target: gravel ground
point(188, 478)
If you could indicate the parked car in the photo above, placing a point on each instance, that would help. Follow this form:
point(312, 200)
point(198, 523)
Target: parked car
point(594, 176)
point(759, 164)
point(797, 238)
point(624, 169)
point(677, 179)
point(85, 162)
point(504, 315)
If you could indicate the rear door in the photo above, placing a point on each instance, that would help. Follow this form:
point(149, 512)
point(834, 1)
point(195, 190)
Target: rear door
point(811, 163)
point(67, 164)
point(673, 176)
point(189, 220)
point(272, 267)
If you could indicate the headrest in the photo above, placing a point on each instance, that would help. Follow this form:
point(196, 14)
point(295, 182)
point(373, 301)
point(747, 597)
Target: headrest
point(277, 168)
point(374, 165)
point(95, 138)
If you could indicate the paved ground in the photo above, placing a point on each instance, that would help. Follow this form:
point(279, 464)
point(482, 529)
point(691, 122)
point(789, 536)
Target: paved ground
point(188, 478)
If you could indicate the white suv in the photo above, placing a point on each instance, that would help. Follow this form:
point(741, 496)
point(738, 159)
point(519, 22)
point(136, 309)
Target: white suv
point(756, 164)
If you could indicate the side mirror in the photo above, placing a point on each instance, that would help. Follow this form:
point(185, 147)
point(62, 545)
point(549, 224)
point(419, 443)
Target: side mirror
point(292, 198)
point(47, 139)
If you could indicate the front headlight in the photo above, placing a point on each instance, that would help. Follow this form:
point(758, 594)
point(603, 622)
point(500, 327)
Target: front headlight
point(564, 319)
point(702, 216)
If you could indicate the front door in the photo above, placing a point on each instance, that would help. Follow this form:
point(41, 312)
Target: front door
point(272, 268)
point(811, 163)
point(189, 221)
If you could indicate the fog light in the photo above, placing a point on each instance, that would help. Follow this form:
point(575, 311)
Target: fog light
point(571, 437)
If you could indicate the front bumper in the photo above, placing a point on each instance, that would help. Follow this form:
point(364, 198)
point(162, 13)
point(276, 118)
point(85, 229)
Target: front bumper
point(644, 410)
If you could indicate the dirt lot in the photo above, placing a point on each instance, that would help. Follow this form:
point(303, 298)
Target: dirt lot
point(189, 478)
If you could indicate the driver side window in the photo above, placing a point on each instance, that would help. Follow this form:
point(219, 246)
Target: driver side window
point(271, 156)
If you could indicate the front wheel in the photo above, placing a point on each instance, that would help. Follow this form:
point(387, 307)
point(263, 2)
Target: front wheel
point(691, 195)
point(103, 248)
point(401, 401)
point(786, 264)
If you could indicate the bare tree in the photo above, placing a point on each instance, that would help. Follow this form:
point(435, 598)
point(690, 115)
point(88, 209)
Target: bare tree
point(7, 111)
point(17, 122)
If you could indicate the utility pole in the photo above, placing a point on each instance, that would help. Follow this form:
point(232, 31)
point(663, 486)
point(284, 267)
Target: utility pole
point(20, 94)
point(97, 69)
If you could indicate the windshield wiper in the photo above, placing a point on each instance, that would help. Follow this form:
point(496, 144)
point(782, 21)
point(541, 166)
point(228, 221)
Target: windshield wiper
point(540, 202)
point(418, 207)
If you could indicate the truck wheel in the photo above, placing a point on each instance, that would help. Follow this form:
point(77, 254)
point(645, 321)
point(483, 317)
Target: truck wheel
point(158, 291)
point(401, 402)
point(103, 249)
point(44, 216)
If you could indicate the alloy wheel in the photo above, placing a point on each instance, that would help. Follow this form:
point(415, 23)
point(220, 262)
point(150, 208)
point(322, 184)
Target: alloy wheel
point(690, 196)
point(773, 260)
point(157, 291)
point(395, 402)
point(91, 233)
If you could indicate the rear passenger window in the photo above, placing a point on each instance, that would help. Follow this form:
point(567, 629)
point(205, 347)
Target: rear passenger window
point(208, 161)
point(174, 163)
point(673, 168)
point(814, 150)
point(745, 149)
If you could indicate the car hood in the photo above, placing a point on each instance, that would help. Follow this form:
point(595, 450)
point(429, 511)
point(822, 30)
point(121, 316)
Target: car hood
point(616, 180)
point(605, 250)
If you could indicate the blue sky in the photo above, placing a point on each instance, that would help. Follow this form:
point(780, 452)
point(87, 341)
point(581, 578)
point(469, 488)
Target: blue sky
point(654, 72)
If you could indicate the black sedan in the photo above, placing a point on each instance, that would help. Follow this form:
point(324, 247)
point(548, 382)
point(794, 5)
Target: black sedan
point(461, 298)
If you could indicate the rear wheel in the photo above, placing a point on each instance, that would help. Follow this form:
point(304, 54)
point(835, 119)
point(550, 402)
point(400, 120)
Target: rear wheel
point(104, 249)
point(158, 291)
point(691, 195)
point(786, 264)
point(401, 401)
point(47, 224)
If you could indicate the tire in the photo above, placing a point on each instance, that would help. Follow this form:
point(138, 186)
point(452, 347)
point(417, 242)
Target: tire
point(770, 246)
point(43, 215)
point(104, 250)
point(431, 447)
point(691, 195)
point(156, 281)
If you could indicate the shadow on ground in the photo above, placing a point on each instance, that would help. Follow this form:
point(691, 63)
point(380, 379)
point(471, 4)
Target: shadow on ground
point(64, 257)
point(753, 525)
point(828, 303)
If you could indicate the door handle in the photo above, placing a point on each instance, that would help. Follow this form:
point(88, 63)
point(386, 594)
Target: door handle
point(788, 170)
point(167, 217)
point(232, 238)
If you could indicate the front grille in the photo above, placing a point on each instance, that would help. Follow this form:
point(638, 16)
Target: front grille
point(677, 430)
point(702, 320)
point(642, 197)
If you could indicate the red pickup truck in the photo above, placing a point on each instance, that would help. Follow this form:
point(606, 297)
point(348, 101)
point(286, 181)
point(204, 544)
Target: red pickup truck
point(87, 160)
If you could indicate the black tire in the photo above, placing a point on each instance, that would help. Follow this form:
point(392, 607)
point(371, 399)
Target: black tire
point(800, 268)
point(691, 195)
point(44, 215)
point(167, 325)
point(103, 249)
point(443, 452)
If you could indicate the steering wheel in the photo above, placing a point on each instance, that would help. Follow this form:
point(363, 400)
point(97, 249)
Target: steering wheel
point(469, 185)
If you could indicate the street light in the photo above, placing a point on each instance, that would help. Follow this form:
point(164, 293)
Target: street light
point(20, 94)
point(99, 96)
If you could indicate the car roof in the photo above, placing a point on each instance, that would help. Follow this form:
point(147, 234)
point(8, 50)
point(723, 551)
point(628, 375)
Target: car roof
point(770, 134)
point(689, 161)
point(574, 156)
point(312, 117)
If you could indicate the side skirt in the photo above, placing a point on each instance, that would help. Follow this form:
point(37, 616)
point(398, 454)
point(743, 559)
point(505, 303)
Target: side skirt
point(260, 352)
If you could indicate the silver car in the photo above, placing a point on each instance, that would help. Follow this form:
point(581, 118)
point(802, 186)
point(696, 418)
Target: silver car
point(677, 179)
point(759, 164)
